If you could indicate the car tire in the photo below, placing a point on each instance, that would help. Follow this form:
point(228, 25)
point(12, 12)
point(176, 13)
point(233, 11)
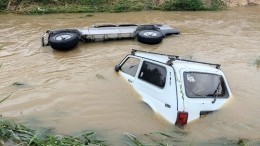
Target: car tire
point(63, 40)
point(149, 37)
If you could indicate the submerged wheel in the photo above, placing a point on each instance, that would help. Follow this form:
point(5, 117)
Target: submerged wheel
point(150, 37)
point(63, 40)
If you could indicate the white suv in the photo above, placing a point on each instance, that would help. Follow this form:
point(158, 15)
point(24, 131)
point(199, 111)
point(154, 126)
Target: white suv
point(179, 90)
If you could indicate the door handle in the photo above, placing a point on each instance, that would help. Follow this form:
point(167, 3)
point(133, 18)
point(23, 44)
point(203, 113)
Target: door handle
point(167, 105)
point(130, 81)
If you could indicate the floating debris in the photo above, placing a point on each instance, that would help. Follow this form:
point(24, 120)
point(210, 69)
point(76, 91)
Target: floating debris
point(256, 62)
point(100, 76)
point(5, 98)
point(18, 84)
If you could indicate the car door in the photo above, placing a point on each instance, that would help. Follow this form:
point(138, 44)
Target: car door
point(155, 83)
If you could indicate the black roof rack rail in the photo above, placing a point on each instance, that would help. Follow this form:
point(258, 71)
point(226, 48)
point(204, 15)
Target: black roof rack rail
point(175, 57)
point(217, 65)
point(170, 56)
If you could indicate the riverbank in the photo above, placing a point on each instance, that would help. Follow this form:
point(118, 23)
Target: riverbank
point(12, 133)
point(115, 6)
point(87, 6)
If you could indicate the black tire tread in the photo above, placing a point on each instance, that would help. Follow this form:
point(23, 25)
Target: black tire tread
point(149, 39)
point(63, 45)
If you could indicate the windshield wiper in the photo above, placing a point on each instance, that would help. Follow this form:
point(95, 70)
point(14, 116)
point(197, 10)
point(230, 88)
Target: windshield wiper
point(215, 93)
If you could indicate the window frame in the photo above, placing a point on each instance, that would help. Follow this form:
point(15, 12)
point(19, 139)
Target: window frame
point(144, 61)
point(226, 95)
point(125, 60)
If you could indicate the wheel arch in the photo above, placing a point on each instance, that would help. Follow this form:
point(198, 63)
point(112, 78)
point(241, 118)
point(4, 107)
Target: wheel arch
point(151, 105)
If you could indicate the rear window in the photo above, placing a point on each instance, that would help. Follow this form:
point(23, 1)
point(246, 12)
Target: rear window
point(153, 73)
point(204, 85)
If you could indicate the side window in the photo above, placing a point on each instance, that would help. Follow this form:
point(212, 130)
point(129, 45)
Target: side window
point(153, 73)
point(130, 66)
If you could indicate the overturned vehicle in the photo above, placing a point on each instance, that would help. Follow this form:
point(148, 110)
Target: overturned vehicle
point(179, 90)
point(66, 39)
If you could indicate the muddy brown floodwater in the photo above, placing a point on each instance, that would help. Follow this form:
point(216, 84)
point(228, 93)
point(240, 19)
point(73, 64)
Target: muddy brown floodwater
point(77, 90)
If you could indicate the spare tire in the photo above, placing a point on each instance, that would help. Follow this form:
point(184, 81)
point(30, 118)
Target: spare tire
point(149, 37)
point(63, 40)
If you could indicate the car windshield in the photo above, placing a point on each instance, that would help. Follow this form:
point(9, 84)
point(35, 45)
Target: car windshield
point(199, 85)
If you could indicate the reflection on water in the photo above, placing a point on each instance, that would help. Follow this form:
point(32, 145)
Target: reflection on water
point(76, 90)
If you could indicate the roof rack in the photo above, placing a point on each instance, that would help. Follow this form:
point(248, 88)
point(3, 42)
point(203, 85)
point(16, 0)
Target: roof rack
point(170, 56)
point(217, 65)
point(175, 57)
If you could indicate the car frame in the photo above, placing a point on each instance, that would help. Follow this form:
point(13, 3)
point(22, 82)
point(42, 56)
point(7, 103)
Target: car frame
point(179, 90)
point(66, 39)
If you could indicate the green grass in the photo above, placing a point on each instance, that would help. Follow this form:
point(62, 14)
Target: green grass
point(115, 6)
point(22, 135)
point(3, 5)
point(131, 140)
point(59, 9)
point(12, 133)
point(256, 62)
point(193, 5)
point(173, 138)
point(241, 142)
point(166, 138)
point(183, 5)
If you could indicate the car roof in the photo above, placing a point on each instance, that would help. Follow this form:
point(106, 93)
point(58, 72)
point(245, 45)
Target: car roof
point(154, 57)
point(175, 61)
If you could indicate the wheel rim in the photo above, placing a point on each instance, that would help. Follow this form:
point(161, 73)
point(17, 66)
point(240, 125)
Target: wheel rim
point(150, 34)
point(63, 37)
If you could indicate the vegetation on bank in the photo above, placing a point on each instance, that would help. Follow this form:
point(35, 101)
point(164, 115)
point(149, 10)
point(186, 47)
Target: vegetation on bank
point(86, 6)
point(17, 134)
point(12, 133)
point(256, 61)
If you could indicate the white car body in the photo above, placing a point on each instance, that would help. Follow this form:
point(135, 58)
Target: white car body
point(167, 96)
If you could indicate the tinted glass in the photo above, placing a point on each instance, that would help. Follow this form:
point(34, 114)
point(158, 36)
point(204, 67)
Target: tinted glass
point(130, 66)
point(204, 85)
point(153, 73)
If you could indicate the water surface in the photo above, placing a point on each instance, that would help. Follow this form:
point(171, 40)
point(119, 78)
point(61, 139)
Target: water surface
point(77, 90)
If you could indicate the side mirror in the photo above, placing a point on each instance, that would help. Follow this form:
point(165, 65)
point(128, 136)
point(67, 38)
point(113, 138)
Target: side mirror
point(117, 68)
